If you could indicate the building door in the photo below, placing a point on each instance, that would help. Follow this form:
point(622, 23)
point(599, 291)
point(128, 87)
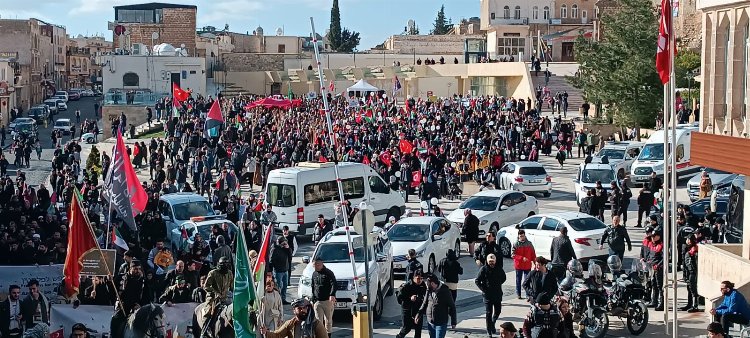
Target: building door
point(175, 80)
point(276, 88)
point(567, 52)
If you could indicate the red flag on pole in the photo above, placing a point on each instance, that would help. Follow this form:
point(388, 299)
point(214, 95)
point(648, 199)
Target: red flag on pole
point(405, 146)
point(178, 93)
point(663, 62)
point(80, 241)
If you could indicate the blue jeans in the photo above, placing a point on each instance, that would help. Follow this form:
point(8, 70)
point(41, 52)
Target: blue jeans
point(520, 277)
point(437, 331)
point(281, 283)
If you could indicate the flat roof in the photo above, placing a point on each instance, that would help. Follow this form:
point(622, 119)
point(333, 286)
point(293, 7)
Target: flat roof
point(154, 5)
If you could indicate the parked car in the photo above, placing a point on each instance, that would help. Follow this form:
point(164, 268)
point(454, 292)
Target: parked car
point(431, 237)
point(585, 233)
point(19, 121)
point(721, 181)
point(178, 208)
point(89, 138)
point(74, 95)
point(39, 112)
point(52, 104)
point(65, 125)
point(199, 225)
point(27, 129)
point(61, 105)
point(525, 176)
point(334, 251)
point(62, 94)
point(620, 155)
point(496, 209)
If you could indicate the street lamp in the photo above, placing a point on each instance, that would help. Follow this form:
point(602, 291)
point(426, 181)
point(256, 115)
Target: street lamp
point(355, 58)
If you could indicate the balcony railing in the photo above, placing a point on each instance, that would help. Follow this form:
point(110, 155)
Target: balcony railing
point(133, 99)
point(509, 21)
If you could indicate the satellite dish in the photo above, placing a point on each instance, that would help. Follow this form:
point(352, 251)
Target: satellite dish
point(279, 31)
point(154, 35)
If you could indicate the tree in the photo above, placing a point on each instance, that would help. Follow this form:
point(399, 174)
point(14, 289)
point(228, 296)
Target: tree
point(685, 62)
point(341, 40)
point(619, 71)
point(334, 31)
point(441, 26)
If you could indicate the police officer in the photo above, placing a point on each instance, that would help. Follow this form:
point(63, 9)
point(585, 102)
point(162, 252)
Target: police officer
point(656, 260)
point(542, 320)
point(490, 281)
point(410, 296)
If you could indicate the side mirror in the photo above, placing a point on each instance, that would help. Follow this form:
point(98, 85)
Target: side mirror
point(518, 226)
point(306, 259)
point(436, 237)
point(503, 207)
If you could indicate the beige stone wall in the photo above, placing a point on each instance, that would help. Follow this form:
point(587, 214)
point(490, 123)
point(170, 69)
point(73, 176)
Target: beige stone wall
point(136, 115)
point(428, 44)
point(251, 62)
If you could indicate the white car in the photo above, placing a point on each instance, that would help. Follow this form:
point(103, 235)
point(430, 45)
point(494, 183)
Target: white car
point(200, 225)
point(63, 124)
point(620, 155)
point(53, 106)
point(61, 105)
point(62, 94)
point(334, 251)
point(587, 176)
point(88, 138)
point(526, 176)
point(585, 234)
point(496, 209)
point(431, 237)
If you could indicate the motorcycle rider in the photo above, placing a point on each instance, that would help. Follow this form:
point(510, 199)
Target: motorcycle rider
point(543, 319)
point(302, 324)
point(656, 260)
point(410, 296)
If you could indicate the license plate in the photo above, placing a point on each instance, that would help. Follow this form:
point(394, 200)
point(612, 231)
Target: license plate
point(535, 181)
point(341, 305)
point(398, 265)
point(641, 178)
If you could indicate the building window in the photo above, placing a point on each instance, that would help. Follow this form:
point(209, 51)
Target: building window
point(727, 59)
point(511, 46)
point(596, 13)
point(745, 103)
point(506, 12)
point(545, 13)
point(584, 14)
point(535, 13)
point(517, 13)
point(281, 49)
point(130, 80)
point(563, 11)
point(492, 16)
point(574, 12)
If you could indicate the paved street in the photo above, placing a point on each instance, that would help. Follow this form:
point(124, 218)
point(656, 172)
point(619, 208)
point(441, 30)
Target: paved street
point(39, 170)
point(469, 303)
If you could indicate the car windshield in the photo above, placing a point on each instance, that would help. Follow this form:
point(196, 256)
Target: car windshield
point(409, 232)
point(483, 203)
point(593, 175)
point(586, 224)
point(338, 252)
point(532, 171)
point(652, 152)
point(615, 154)
point(36, 111)
point(184, 211)
point(24, 127)
point(62, 123)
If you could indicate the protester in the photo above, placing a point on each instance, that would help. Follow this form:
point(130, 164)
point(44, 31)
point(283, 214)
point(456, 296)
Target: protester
point(271, 310)
point(411, 296)
point(490, 282)
point(523, 258)
point(323, 294)
point(438, 308)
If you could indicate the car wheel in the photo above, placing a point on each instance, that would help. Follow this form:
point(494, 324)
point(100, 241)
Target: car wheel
point(432, 265)
point(90, 140)
point(390, 282)
point(377, 308)
point(547, 194)
point(505, 248)
point(457, 248)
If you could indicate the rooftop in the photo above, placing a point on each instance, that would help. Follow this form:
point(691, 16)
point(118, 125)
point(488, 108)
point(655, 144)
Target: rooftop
point(155, 5)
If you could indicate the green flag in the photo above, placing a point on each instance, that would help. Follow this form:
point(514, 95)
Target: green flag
point(244, 294)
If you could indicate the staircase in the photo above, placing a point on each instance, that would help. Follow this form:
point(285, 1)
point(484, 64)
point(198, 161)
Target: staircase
point(560, 84)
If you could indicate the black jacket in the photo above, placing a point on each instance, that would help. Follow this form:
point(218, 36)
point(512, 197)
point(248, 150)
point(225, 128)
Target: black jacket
point(450, 268)
point(645, 199)
point(485, 249)
point(470, 229)
point(537, 282)
point(561, 250)
point(5, 317)
point(617, 237)
point(586, 205)
point(490, 281)
point(176, 295)
point(405, 292)
point(438, 306)
point(280, 257)
point(412, 266)
point(323, 285)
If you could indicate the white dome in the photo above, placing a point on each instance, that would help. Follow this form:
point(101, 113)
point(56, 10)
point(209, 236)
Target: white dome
point(164, 49)
point(259, 31)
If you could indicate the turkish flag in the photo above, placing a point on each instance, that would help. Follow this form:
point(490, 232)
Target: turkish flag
point(58, 334)
point(663, 62)
point(385, 157)
point(179, 94)
point(80, 240)
point(405, 146)
point(366, 160)
point(416, 178)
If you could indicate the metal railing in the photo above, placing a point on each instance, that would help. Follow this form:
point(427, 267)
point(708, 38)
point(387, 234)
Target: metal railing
point(133, 99)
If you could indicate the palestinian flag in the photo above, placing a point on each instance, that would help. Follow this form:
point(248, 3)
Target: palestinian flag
point(260, 265)
point(176, 106)
point(214, 120)
point(118, 240)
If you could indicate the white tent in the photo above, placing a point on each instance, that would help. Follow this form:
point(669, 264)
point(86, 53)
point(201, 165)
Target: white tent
point(361, 88)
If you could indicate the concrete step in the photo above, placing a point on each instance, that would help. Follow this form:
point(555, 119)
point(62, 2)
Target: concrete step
point(560, 83)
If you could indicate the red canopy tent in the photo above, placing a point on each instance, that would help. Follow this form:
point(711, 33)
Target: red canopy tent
point(270, 102)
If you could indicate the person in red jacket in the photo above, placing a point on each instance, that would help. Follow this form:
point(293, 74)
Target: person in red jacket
point(523, 258)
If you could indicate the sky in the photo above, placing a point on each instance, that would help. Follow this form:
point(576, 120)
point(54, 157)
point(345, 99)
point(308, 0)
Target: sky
point(374, 19)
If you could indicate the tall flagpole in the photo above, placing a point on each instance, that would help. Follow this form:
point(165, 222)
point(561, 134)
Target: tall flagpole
point(673, 170)
point(665, 192)
point(332, 141)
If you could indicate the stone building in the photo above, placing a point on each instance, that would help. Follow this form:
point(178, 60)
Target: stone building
point(724, 140)
point(154, 23)
point(96, 47)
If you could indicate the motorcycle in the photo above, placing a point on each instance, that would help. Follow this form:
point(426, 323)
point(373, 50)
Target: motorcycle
point(625, 296)
point(588, 302)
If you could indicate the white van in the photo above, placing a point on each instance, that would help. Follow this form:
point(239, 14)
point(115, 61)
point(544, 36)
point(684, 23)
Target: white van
point(651, 158)
point(299, 194)
point(589, 174)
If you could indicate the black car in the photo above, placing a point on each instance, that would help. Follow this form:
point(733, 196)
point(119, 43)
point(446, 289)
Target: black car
point(698, 208)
